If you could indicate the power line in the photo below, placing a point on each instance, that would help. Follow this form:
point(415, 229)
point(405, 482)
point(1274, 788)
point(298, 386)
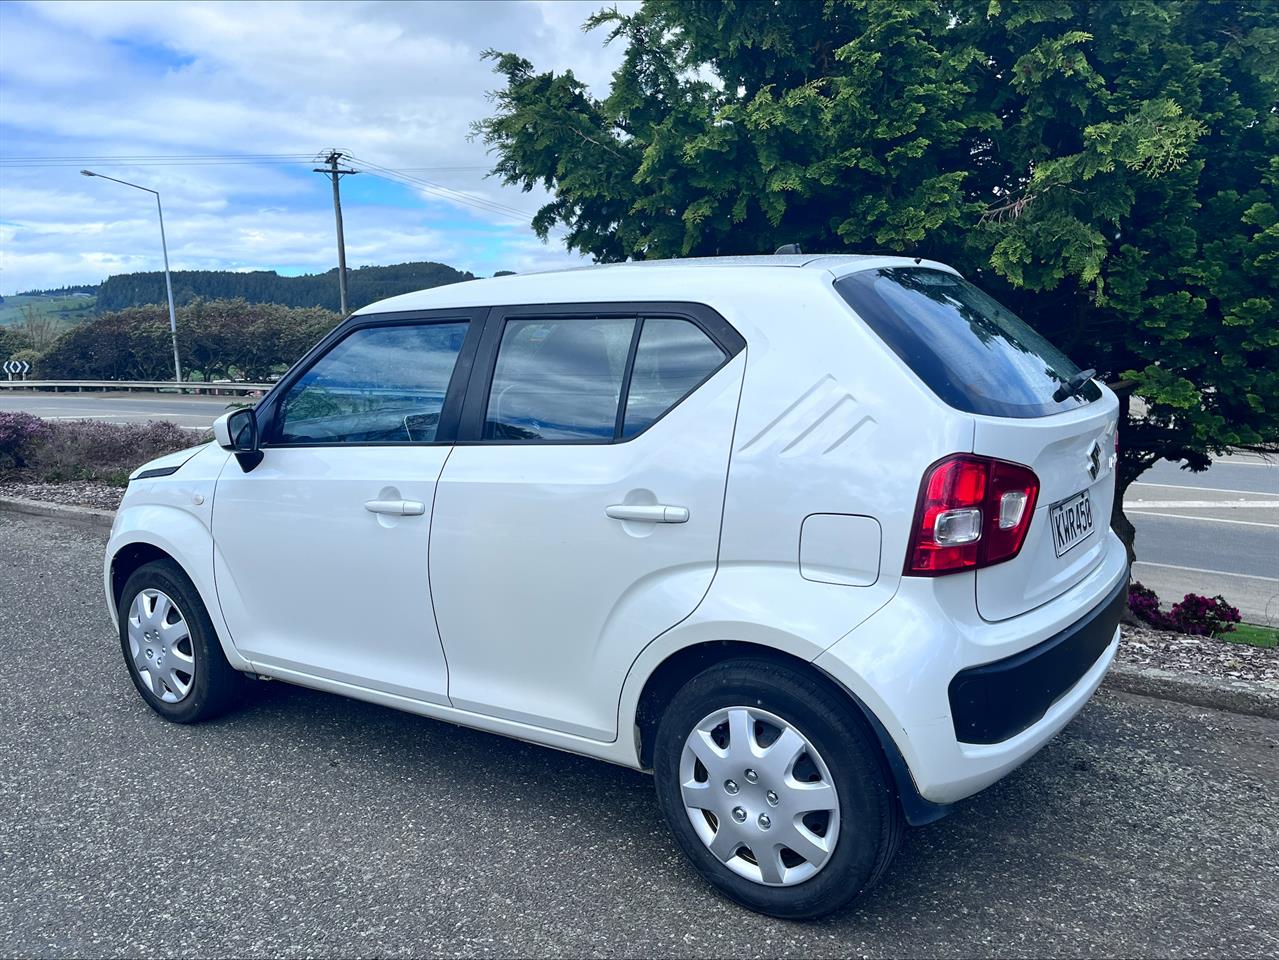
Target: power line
point(446, 193)
point(404, 175)
point(167, 156)
point(438, 189)
point(153, 163)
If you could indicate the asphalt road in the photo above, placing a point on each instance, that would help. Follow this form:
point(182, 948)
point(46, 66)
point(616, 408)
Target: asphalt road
point(184, 410)
point(306, 824)
point(1209, 533)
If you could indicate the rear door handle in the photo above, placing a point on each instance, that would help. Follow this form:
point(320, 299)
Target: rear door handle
point(396, 508)
point(655, 513)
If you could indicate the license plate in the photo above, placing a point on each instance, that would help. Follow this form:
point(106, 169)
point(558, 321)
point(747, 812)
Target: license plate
point(1071, 522)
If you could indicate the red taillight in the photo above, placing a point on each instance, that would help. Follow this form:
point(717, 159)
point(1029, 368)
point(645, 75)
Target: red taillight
point(973, 511)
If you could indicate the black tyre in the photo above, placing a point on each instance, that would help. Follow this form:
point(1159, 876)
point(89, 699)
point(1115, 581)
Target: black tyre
point(775, 788)
point(171, 649)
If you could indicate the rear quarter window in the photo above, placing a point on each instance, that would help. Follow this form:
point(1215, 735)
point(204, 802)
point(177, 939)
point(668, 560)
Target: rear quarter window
point(972, 352)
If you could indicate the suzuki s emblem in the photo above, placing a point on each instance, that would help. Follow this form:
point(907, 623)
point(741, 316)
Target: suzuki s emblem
point(1094, 459)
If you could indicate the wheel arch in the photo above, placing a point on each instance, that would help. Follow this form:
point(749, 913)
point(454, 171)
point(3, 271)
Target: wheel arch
point(682, 665)
point(153, 532)
point(129, 558)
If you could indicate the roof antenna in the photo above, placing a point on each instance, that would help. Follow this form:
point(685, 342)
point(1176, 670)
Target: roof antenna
point(919, 260)
point(787, 248)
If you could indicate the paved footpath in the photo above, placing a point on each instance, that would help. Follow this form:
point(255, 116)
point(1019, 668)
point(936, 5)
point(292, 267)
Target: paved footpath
point(310, 825)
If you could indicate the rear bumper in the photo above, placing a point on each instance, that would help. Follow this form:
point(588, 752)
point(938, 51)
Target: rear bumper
point(997, 701)
point(966, 701)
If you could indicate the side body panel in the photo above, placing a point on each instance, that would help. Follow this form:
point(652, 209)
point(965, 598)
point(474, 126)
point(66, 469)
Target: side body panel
point(308, 579)
point(829, 423)
point(543, 600)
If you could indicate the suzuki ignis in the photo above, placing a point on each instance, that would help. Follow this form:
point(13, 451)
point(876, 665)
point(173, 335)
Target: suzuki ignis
point(821, 542)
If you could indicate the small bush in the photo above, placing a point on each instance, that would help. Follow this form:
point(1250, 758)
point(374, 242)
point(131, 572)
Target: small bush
point(58, 451)
point(1144, 603)
point(1196, 615)
point(20, 433)
point(1203, 616)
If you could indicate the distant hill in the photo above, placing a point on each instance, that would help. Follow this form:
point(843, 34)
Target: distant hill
point(364, 286)
point(67, 309)
point(88, 289)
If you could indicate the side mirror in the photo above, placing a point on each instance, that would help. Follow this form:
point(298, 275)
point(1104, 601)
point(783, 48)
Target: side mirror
point(237, 431)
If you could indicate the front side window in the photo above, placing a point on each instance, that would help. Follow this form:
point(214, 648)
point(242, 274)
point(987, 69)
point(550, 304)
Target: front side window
point(558, 379)
point(378, 385)
point(674, 356)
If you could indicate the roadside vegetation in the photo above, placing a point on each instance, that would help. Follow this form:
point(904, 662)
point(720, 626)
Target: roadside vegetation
point(62, 451)
point(230, 325)
point(218, 339)
point(1199, 616)
point(1255, 636)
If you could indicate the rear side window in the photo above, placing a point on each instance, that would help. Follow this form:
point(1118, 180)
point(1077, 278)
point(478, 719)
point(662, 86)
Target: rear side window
point(975, 354)
point(559, 379)
point(378, 385)
point(673, 358)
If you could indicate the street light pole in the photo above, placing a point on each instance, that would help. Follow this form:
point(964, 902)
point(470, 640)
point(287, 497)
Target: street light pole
point(168, 282)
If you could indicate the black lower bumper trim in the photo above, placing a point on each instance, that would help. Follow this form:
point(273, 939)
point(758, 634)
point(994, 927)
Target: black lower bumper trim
point(999, 700)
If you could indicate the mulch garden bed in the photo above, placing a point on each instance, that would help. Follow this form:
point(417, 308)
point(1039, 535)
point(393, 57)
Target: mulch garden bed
point(74, 493)
point(1207, 656)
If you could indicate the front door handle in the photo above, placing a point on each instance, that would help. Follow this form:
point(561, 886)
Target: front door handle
point(396, 508)
point(654, 513)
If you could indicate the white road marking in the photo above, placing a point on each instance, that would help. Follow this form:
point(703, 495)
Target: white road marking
point(1215, 504)
point(1182, 486)
point(1215, 573)
point(118, 416)
point(1184, 516)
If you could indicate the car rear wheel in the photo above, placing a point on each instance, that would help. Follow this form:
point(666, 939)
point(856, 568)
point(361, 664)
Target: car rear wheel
point(774, 789)
point(171, 648)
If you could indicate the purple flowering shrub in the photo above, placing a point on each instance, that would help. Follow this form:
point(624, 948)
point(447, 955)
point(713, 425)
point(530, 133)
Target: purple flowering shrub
point(1203, 616)
point(1196, 615)
point(62, 450)
point(1144, 603)
point(20, 433)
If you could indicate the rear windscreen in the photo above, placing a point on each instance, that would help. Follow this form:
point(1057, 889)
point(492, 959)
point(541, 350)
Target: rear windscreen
point(973, 353)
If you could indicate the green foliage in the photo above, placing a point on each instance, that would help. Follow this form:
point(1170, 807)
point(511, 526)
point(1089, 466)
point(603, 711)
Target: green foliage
point(218, 339)
point(10, 343)
point(365, 285)
point(1110, 169)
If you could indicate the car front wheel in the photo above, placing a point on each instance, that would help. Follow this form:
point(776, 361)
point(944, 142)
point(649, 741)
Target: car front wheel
point(171, 648)
point(774, 789)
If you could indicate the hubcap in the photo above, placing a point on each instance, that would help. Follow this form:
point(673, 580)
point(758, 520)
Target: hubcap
point(160, 646)
point(779, 823)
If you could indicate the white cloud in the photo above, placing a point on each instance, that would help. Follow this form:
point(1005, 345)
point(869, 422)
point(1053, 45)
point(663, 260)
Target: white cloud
point(395, 83)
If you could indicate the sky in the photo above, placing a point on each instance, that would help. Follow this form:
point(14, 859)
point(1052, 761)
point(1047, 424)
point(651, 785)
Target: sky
point(392, 83)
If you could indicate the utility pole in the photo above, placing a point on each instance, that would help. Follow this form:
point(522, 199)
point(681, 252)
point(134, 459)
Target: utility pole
point(336, 173)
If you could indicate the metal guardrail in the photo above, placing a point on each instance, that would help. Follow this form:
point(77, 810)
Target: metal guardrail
point(128, 386)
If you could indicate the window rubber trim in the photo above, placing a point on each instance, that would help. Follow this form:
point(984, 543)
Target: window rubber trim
point(475, 409)
point(269, 407)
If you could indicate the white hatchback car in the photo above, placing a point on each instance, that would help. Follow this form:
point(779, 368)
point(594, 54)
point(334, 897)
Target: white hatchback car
point(820, 541)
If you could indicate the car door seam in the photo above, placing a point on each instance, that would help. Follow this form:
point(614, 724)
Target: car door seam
point(719, 546)
point(430, 590)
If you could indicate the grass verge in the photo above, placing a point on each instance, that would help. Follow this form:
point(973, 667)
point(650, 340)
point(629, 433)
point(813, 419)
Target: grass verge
point(1253, 635)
